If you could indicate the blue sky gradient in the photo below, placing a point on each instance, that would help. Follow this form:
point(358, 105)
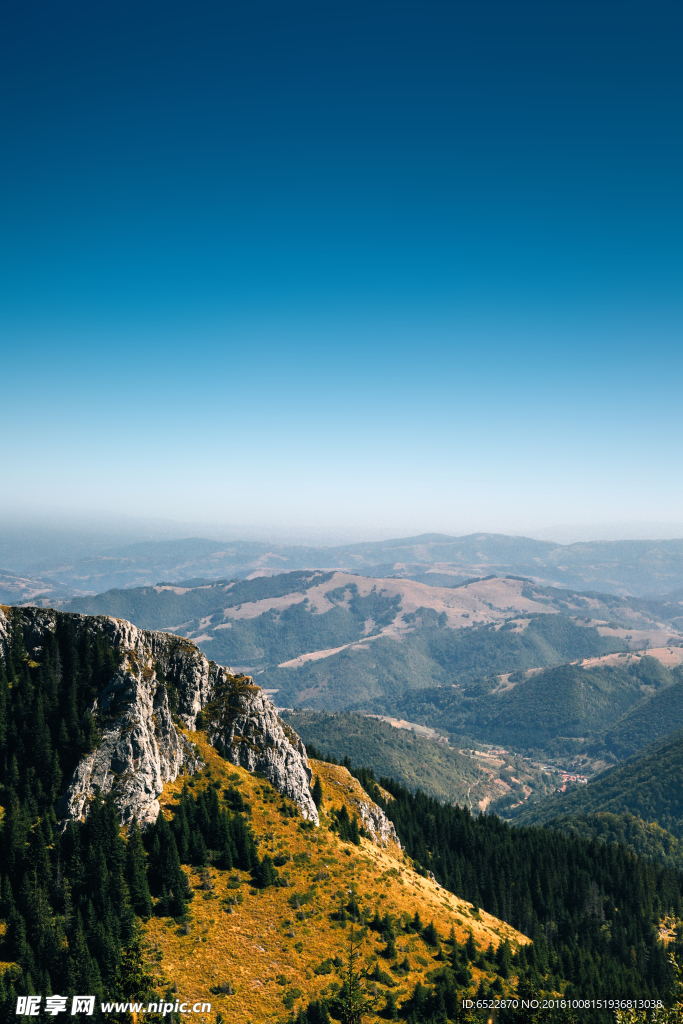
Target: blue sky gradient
point(351, 269)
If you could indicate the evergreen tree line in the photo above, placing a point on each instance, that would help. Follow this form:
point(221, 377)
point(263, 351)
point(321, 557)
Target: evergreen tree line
point(70, 902)
point(591, 909)
point(45, 728)
point(70, 897)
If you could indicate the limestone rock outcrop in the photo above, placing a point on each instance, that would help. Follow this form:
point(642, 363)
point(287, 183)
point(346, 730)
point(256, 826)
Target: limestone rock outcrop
point(141, 746)
point(377, 824)
point(245, 727)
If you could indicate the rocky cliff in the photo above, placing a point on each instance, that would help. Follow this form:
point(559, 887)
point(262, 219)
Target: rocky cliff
point(143, 714)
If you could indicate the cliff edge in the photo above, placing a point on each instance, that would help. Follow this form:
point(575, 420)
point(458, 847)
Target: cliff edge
point(144, 712)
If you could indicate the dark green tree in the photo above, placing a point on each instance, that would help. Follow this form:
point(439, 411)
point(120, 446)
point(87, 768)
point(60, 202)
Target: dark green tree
point(136, 874)
point(265, 873)
point(354, 1003)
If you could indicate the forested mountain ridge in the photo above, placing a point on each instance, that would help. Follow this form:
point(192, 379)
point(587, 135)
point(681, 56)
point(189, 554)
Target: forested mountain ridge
point(647, 785)
point(341, 642)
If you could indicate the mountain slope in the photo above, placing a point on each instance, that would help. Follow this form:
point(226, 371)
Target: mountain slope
point(275, 947)
point(648, 785)
point(208, 863)
point(436, 768)
point(648, 721)
point(333, 640)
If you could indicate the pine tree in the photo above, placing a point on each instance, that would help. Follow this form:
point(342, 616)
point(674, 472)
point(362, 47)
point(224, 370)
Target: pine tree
point(266, 873)
point(199, 854)
point(390, 1007)
point(7, 897)
point(503, 959)
point(353, 1002)
point(136, 876)
point(246, 857)
point(83, 972)
point(164, 904)
point(135, 978)
point(317, 1012)
point(317, 792)
point(228, 855)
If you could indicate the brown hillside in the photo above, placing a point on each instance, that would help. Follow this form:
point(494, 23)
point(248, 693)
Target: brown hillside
point(267, 944)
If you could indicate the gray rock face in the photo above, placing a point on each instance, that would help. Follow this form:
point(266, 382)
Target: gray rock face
point(245, 727)
point(141, 747)
point(377, 824)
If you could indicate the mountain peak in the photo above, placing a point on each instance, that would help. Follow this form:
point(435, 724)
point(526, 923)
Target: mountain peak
point(162, 689)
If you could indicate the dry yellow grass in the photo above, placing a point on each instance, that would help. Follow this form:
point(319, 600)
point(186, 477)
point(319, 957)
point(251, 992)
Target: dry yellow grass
point(265, 946)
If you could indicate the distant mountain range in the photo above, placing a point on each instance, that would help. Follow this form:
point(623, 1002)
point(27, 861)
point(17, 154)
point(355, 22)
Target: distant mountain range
point(639, 568)
point(336, 641)
point(502, 659)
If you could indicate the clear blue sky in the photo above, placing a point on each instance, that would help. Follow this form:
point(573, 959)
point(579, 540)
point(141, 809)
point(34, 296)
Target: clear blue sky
point(351, 268)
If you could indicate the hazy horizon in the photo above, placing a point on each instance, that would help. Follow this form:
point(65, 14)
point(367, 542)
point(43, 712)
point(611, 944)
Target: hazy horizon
point(35, 539)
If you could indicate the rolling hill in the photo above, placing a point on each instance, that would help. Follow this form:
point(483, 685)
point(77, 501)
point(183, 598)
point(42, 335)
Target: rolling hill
point(575, 702)
point(371, 676)
point(648, 786)
point(335, 641)
point(465, 659)
point(418, 762)
point(639, 568)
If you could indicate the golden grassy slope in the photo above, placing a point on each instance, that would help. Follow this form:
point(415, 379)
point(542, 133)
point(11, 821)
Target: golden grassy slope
point(266, 945)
